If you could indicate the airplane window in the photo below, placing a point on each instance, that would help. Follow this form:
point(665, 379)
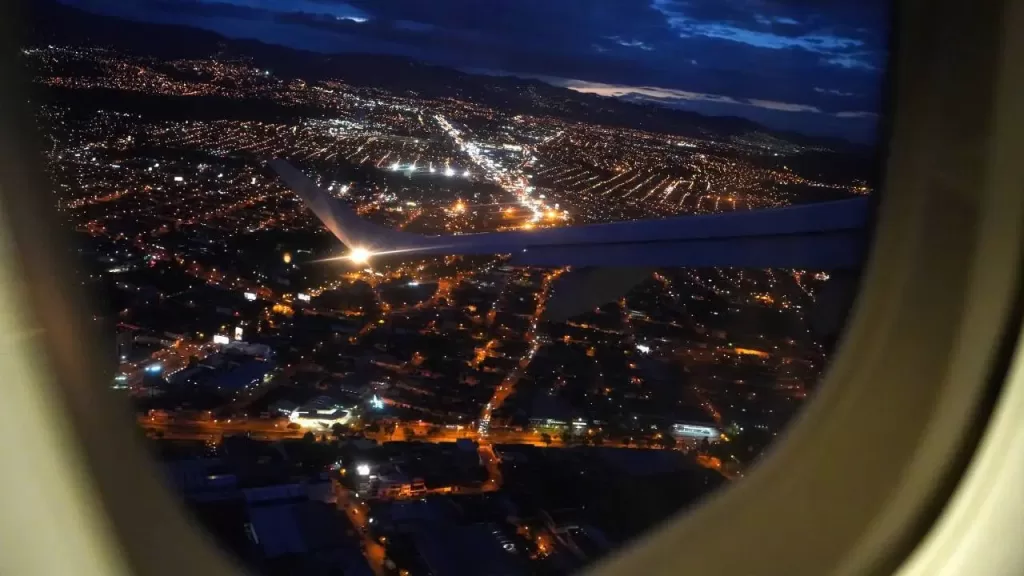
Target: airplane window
point(460, 287)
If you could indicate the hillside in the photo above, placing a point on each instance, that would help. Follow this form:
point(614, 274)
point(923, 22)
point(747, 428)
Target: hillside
point(49, 22)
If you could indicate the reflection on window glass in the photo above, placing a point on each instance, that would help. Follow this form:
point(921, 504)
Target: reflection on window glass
point(338, 391)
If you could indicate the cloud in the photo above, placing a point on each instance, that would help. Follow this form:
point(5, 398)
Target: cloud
point(832, 91)
point(856, 115)
point(339, 10)
point(631, 43)
point(784, 106)
point(614, 90)
point(836, 34)
point(675, 95)
point(858, 126)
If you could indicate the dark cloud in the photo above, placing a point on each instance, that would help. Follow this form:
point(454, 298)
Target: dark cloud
point(798, 58)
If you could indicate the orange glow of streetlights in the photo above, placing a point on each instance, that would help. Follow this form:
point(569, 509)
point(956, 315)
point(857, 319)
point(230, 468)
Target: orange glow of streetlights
point(459, 207)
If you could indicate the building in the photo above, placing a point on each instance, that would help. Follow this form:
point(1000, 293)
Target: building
point(321, 412)
point(468, 550)
point(226, 372)
point(696, 431)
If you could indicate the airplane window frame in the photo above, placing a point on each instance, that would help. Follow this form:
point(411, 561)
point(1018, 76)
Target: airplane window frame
point(857, 482)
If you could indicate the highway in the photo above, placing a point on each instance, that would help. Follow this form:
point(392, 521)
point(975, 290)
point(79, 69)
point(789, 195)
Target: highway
point(277, 429)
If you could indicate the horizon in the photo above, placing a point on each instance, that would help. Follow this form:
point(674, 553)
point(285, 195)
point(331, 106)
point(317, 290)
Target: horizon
point(814, 77)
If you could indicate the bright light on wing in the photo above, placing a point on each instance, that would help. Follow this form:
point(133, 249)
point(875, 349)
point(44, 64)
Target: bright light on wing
point(359, 255)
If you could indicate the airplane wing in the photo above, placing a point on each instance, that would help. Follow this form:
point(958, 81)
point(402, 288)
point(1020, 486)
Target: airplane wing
point(820, 236)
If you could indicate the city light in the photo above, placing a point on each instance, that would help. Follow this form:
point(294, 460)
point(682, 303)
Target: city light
point(287, 258)
point(459, 207)
point(396, 167)
point(363, 469)
point(449, 172)
point(377, 403)
point(221, 339)
point(250, 296)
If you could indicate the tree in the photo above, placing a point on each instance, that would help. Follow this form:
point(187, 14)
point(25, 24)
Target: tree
point(309, 438)
point(705, 446)
point(434, 431)
point(323, 437)
point(372, 428)
point(408, 433)
point(337, 429)
point(545, 438)
point(667, 441)
point(597, 439)
point(627, 441)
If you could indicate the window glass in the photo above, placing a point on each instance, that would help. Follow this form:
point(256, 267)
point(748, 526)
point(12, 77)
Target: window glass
point(346, 409)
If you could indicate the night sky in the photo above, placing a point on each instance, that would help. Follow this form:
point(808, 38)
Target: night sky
point(809, 65)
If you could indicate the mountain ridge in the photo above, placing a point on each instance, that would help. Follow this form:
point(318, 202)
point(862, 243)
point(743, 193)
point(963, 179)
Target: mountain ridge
point(50, 22)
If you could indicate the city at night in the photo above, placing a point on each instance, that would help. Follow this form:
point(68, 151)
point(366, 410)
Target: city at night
point(345, 257)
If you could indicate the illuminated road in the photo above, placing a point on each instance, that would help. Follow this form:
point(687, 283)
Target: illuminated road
point(357, 512)
point(193, 429)
point(278, 429)
point(504, 390)
point(260, 429)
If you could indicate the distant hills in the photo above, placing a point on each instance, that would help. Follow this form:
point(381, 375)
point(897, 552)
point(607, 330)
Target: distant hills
point(49, 22)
